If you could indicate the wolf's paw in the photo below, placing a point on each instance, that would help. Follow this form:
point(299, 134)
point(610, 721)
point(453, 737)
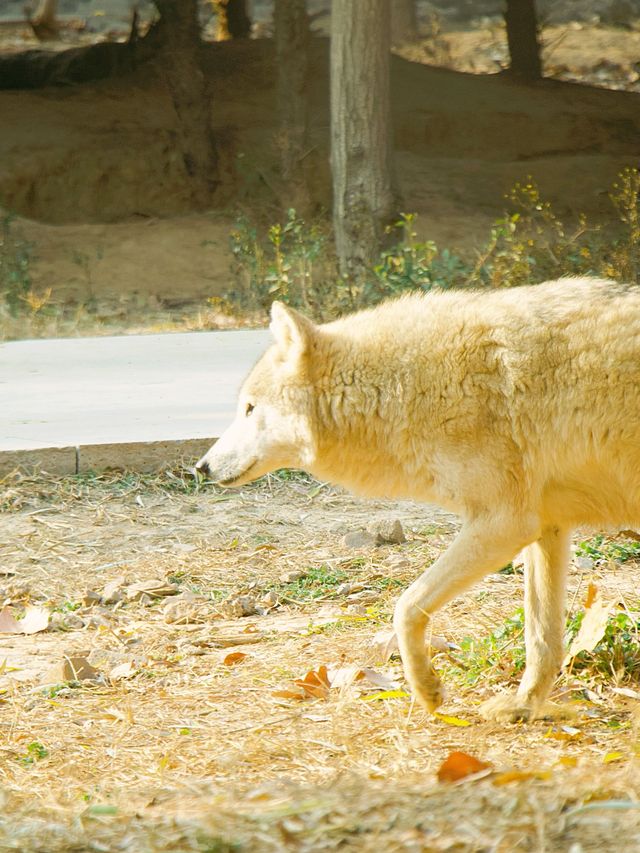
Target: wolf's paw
point(430, 695)
point(517, 709)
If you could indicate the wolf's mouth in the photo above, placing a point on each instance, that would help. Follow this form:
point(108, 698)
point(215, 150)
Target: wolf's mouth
point(232, 480)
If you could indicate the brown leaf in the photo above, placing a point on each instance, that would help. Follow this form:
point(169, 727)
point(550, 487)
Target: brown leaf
point(458, 765)
point(592, 594)
point(315, 683)
point(233, 658)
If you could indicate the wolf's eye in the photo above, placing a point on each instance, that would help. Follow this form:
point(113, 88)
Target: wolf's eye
point(249, 409)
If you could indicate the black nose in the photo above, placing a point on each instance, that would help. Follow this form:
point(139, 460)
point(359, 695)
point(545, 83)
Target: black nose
point(203, 468)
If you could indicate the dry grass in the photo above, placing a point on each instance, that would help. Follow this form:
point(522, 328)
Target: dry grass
point(187, 753)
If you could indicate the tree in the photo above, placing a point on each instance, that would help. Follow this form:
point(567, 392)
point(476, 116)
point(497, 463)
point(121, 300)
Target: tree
point(292, 37)
point(522, 37)
point(44, 23)
point(361, 138)
point(179, 61)
point(404, 21)
point(233, 19)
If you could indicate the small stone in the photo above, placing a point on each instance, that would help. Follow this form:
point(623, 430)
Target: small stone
point(359, 539)
point(243, 605)
point(270, 599)
point(357, 610)
point(292, 577)
point(584, 563)
point(387, 531)
point(113, 591)
point(91, 598)
point(344, 589)
point(71, 668)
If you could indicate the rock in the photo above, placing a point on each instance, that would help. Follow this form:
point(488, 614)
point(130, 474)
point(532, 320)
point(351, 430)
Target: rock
point(344, 589)
point(114, 591)
point(65, 622)
point(91, 598)
point(71, 668)
point(584, 563)
point(292, 577)
point(270, 599)
point(359, 539)
point(387, 531)
point(243, 605)
point(185, 608)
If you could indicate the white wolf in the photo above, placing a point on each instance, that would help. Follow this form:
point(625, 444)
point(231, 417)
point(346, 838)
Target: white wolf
point(518, 409)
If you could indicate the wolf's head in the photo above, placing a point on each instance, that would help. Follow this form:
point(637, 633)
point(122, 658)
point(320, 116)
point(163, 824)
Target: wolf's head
point(273, 427)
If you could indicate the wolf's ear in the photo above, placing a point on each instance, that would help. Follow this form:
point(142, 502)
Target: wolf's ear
point(292, 331)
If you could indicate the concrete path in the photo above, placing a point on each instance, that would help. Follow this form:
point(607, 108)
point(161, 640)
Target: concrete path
point(138, 388)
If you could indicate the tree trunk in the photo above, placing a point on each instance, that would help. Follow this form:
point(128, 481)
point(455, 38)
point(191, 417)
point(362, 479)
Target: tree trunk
point(292, 37)
point(179, 61)
point(361, 137)
point(522, 37)
point(404, 22)
point(233, 20)
point(44, 23)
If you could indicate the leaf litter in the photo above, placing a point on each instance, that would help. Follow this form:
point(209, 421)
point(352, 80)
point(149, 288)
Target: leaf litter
point(140, 740)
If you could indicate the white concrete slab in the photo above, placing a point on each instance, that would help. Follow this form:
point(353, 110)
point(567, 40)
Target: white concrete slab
point(70, 392)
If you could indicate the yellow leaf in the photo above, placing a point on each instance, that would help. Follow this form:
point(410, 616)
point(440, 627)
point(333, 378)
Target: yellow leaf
point(568, 761)
point(610, 757)
point(520, 776)
point(385, 694)
point(451, 721)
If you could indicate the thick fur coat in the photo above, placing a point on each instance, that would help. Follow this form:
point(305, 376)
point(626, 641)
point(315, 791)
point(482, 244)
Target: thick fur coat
point(517, 409)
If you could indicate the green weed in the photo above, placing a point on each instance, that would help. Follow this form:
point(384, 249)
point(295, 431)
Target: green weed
point(16, 255)
point(602, 550)
point(528, 244)
point(35, 752)
point(317, 582)
point(497, 656)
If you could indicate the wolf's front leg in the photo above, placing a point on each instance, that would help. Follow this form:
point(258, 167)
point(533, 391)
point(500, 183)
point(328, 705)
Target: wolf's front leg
point(484, 544)
point(546, 562)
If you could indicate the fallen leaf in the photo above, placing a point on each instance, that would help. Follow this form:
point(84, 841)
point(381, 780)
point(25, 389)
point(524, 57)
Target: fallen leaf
point(519, 776)
point(233, 658)
point(154, 588)
point(385, 694)
point(568, 761)
point(123, 670)
point(35, 619)
point(592, 594)
point(563, 733)
point(626, 691)
point(610, 757)
point(459, 765)
point(316, 683)
point(592, 628)
point(451, 721)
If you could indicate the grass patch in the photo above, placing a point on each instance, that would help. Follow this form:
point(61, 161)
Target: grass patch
point(317, 582)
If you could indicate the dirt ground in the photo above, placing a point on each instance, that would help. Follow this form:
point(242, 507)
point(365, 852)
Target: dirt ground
point(94, 178)
point(173, 745)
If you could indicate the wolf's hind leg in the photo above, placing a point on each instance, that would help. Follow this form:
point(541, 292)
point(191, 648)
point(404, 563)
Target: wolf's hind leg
point(484, 544)
point(546, 562)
